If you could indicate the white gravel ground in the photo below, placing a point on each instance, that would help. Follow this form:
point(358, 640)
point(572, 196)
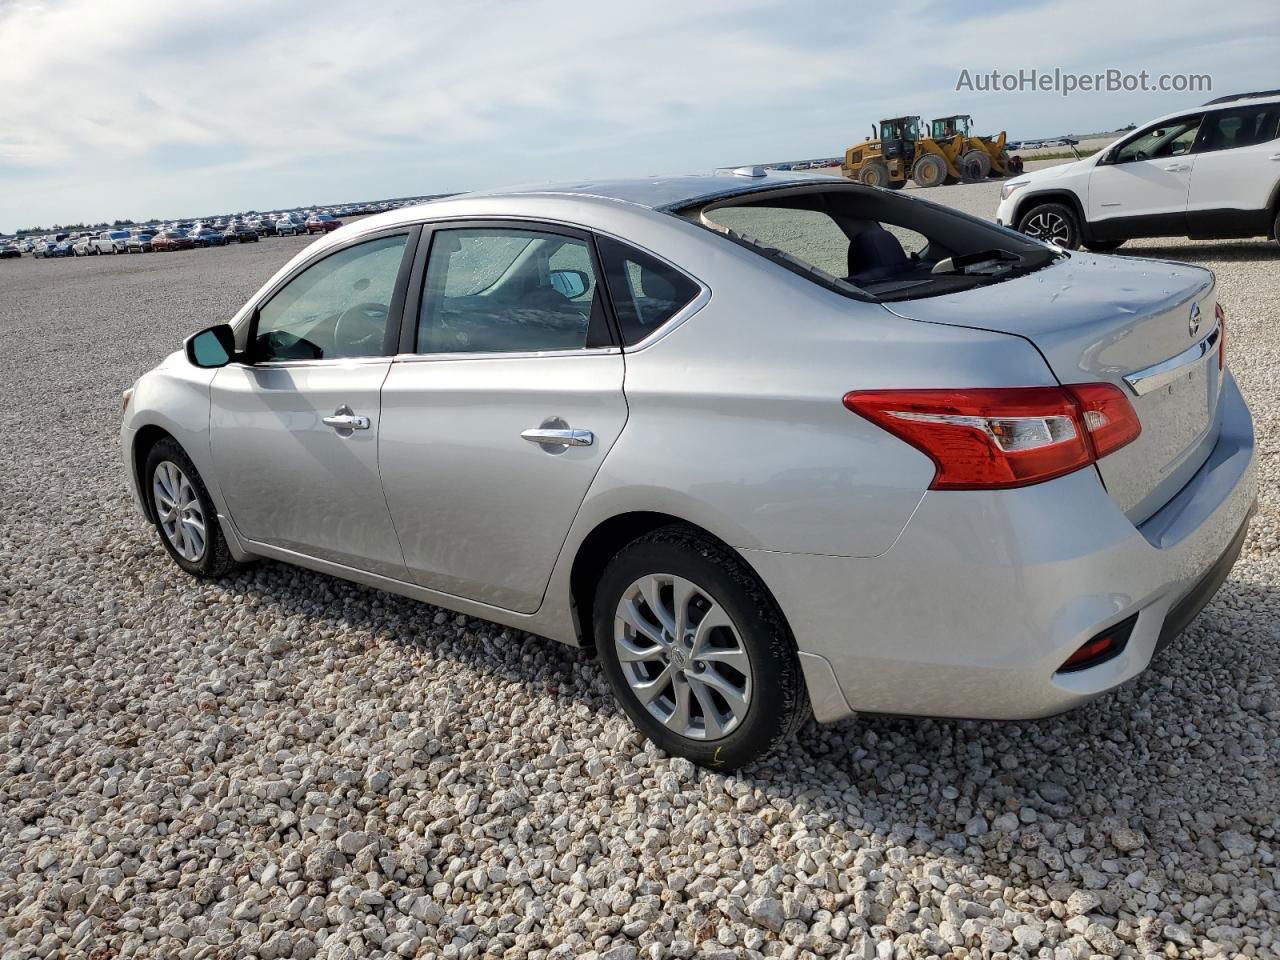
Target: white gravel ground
point(285, 765)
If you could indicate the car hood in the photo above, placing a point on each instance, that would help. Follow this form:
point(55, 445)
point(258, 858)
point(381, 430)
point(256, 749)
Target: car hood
point(1055, 172)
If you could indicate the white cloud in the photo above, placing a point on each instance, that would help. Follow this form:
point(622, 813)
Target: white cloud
point(210, 105)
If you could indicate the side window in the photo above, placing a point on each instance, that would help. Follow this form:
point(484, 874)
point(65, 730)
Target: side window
point(1245, 127)
point(646, 292)
point(1168, 139)
point(336, 308)
point(500, 290)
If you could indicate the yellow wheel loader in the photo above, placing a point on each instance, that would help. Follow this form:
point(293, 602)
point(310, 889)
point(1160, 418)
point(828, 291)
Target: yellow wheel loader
point(978, 157)
point(896, 152)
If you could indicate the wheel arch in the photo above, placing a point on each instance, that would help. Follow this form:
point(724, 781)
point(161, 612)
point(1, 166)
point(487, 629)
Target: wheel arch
point(1067, 197)
point(611, 535)
point(1273, 209)
point(146, 437)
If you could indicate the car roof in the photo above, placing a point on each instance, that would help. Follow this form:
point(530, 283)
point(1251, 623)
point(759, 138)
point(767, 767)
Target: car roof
point(666, 192)
point(1216, 106)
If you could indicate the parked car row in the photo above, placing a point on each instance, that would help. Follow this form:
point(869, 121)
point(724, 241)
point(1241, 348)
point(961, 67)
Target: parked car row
point(219, 231)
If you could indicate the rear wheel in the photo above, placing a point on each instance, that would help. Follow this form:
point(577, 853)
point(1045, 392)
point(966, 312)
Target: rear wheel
point(929, 171)
point(1103, 246)
point(874, 174)
point(184, 513)
point(1054, 223)
point(696, 652)
point(1275, 228)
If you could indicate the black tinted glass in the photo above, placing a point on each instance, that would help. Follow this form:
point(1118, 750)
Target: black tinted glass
point(646, 292)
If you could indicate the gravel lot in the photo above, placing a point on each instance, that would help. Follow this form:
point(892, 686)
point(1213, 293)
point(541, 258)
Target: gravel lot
point(285, 765)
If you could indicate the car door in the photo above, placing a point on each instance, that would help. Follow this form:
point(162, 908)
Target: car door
point(501, 408)
point(1140, 187)
point(1237, 157)
point(294, 430)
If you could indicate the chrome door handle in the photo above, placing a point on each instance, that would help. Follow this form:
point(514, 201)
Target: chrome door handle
point(560, 438)
point(344, 419)
point(1275, 156)
point(1175, 167)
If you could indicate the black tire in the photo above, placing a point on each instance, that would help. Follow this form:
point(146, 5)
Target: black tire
point(929, 171)
point(976, 164)
point(1054, 222)
point(874, 173)
point(1275, 228)
point(779, 702)
point(1103, 246)
point(215, 560)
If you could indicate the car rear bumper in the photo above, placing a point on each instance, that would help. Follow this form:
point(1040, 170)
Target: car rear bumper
point(986, 593)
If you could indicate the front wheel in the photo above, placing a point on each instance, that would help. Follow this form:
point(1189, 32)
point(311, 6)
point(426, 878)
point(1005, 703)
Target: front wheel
point(1053, 223)
point(184, 513)
point(696, 651)
point(874, 173)
point(976, 164)
point(929, 171)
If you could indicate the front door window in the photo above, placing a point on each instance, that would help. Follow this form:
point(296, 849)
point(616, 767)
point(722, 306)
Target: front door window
point(336, 308)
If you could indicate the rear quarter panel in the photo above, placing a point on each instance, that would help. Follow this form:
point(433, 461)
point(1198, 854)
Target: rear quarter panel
point(736, 421)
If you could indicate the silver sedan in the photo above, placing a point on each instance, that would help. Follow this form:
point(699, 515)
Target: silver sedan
point(772, 445)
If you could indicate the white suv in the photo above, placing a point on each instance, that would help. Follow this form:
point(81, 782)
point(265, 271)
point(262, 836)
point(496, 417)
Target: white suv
point(1208, 173)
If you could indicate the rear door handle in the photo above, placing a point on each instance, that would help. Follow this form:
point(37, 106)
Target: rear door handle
point(1175, 167)
point(1275, 156)
point(559, 438)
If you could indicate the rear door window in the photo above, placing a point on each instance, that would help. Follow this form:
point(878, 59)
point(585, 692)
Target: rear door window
point(1243, 127)
point(646, 292)
point(509, 290)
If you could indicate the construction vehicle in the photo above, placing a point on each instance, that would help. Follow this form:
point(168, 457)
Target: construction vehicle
point(896, 152)
point(979, 157)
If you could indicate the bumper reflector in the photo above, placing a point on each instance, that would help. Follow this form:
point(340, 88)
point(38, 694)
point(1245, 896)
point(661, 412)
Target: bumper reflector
point(1109, 643)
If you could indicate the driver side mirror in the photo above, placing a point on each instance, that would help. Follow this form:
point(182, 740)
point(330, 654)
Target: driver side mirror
point(571, 283)
point(211, 348)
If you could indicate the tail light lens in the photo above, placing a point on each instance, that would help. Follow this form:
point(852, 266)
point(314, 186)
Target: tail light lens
point(1221, 317)
point(996, 438)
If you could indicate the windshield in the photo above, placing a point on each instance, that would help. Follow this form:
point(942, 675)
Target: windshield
point(872, 244)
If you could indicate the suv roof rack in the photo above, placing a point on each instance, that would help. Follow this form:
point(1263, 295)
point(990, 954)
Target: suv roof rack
point(1243, 96)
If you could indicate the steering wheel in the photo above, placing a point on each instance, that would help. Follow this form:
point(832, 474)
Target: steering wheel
point(360, 329)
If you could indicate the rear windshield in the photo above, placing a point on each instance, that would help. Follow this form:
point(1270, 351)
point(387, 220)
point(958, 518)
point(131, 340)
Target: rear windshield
point(870, 243)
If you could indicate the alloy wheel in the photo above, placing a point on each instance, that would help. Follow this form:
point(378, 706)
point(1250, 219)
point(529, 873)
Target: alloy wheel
point(683, 657)
point(1049, 226)
point(178, 507)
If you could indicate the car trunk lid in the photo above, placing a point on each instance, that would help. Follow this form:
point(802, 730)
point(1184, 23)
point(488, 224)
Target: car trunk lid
point(1147, 326)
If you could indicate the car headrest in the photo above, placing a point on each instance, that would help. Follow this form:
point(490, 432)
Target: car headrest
point(876, 250)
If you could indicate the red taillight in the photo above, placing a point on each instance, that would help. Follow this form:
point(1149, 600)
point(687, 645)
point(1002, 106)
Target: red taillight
point(1221, 317)
point(1108, 415)
point(993, 438)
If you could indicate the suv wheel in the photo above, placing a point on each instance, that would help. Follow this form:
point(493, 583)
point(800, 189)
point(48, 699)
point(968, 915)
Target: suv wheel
point(1055, 223)
point(696, 652)
point(184, 512)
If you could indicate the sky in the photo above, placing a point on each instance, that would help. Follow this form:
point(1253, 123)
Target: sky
point(114, 108)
